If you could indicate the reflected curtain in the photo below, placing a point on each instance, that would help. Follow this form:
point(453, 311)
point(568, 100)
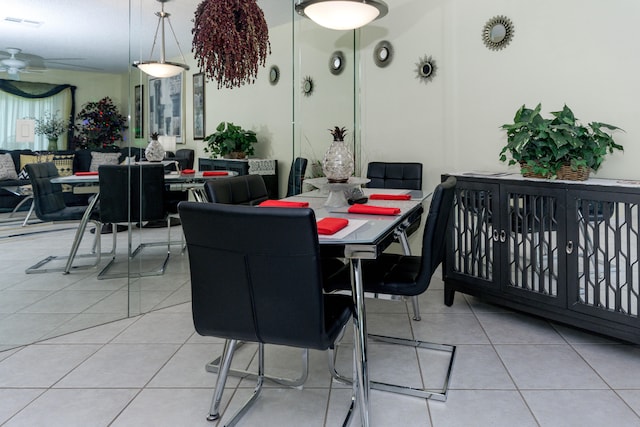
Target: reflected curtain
point(19, 100)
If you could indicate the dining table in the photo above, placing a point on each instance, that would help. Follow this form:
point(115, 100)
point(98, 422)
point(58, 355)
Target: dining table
point(365, 236)
point(192, 181)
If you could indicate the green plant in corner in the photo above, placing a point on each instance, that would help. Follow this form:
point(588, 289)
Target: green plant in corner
point(543, 147)
point(230, 141)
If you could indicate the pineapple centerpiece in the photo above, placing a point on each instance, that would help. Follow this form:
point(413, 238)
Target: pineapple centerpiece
point(338, 164)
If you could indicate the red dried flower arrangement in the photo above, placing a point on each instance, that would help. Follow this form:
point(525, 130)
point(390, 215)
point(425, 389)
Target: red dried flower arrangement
point(230, 40)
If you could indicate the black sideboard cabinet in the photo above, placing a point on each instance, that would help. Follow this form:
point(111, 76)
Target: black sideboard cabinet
point(267, 168)
point(566, 251)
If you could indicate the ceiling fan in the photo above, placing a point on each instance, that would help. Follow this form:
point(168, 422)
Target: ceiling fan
point(15, 65)
point(14, 62)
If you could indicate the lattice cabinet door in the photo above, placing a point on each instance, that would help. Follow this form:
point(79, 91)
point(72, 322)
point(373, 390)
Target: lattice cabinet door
point(604, 242)
point(533, 240)
point(472, 255)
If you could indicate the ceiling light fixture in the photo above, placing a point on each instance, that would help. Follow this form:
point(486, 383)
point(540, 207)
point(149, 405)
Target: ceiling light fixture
point(162, 68)
point(342, 14)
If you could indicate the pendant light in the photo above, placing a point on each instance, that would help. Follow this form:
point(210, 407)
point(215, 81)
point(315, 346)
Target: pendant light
point(342, 14)
point(162, 68)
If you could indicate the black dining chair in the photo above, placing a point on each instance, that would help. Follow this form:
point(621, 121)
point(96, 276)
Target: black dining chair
point(133, 195)
point(400, 175)
point(296, 176)
point(256, 276)
point(394, 274)
point(48, 200)
point(237, 190)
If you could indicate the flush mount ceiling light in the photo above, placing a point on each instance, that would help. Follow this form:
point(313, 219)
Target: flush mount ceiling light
point(342, 14)
point(162, 68)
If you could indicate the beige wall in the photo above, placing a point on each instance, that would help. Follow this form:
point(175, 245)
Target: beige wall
point(579, 52)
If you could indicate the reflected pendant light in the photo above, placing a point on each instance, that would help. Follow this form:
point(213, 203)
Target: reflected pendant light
point(342, 14)
point(162, 68)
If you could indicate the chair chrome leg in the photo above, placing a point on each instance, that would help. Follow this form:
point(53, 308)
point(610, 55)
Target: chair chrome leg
point(71, 257)
point(214, 367)
point(229, 348)
point(254, 396)
point(440, 395)
point(404, 241)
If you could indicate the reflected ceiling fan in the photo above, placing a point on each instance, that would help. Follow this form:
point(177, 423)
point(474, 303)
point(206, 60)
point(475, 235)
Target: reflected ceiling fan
point(14, 62)
point(17, 63)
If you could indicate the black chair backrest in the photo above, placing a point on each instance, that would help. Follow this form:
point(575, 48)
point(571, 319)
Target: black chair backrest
point(141, 187)
point(395, 175)
point(186, 158)
point(255, 274)
point(435, 229)
point(47, 197)
point(237, 190)
point(296, 176)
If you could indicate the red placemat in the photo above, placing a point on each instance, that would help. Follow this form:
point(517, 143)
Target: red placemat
point(373, 210)
point(85, 173)
point(283, 204)
point(328, 225)
point(390, 197)
point(215, 173)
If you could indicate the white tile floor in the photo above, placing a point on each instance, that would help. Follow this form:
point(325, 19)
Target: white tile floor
point(511, 370)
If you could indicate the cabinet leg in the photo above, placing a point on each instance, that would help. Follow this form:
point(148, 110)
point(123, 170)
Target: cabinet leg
point(448, 296)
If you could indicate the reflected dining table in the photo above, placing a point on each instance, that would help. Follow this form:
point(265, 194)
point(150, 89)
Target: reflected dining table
point(366, 237)
point(193, 182)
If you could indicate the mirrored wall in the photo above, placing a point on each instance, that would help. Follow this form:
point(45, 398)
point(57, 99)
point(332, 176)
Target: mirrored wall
point(315, 90)
point(324, 90)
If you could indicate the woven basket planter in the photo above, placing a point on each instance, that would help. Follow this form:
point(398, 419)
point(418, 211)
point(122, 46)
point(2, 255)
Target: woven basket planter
point(526, 171)
point(581, 174)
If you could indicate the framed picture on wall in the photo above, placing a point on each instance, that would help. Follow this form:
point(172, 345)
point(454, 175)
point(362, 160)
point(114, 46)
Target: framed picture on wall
point(198, 106)
point(165, 107)
point(138, 112)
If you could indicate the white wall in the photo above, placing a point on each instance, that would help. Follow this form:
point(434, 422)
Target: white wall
point(582, 53)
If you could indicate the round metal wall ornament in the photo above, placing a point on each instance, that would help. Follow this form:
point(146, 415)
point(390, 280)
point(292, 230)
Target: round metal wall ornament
point(383, 53)
point(426, 69)
point(274, 74)
point(497, 32)
point(307, 86)
point(336, 62)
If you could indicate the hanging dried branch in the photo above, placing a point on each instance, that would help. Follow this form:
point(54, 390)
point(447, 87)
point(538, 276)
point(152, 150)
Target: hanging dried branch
point(230, 40)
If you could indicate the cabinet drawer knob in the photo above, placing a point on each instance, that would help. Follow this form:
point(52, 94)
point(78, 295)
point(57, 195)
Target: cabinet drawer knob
point(569, 247)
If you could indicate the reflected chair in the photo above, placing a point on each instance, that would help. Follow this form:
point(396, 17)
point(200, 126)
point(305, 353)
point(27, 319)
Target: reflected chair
point(401, 175)
point(296, 176)
point(185, 158)
point(237, 190)
point(407, 275)
point(256, 276)
point(133, 195)
point(48, 200)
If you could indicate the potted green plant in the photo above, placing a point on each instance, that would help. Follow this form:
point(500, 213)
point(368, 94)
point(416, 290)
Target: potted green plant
point(230, 141)
point(559, 147)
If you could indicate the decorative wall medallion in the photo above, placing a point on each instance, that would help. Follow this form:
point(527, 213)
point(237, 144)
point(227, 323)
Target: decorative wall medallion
point(307, 86)
point(336, 62)
point(497, 32)
point(274, 74)
point(426, 69)
point(383, 53)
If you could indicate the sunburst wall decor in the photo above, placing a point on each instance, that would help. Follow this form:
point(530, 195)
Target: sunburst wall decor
point(497, 32)
point(426, 69)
